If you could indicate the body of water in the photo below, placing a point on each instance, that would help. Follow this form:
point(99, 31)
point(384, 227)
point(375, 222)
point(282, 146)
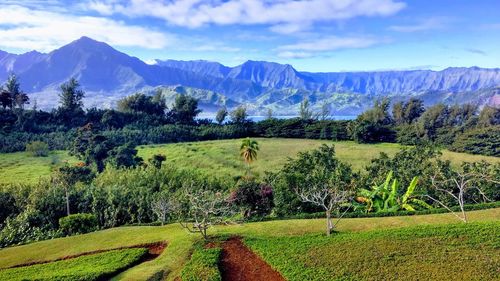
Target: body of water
point(260, 118)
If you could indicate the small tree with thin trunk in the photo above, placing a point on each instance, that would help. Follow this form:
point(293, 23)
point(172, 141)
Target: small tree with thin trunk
point(459, 184)
point(161, 206)
point(67, 176)
point(329, 192)
point(319, 178)
point(201, 208)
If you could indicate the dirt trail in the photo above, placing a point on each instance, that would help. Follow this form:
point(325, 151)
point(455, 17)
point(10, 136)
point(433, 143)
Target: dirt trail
point(240, 264)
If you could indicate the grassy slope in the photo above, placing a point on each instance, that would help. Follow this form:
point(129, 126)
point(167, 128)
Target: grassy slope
point(24, 168)
point(180, 243)
point(88, 267)
point(220, 157)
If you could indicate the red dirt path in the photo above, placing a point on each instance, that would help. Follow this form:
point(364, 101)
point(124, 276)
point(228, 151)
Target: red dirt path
point(240, 264)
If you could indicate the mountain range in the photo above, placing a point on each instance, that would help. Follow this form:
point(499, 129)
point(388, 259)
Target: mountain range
point(108, 75)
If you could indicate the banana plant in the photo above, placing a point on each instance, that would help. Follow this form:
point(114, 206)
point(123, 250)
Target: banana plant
point(384, 197)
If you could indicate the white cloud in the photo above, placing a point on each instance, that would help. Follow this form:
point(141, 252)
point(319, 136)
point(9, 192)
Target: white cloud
point(283, 15)
point(213, 48)
point(294, 55)
point(331, 43)
point(423, 25)
point(24, 28)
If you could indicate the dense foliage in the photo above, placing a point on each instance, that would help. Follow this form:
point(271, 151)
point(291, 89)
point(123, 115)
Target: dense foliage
point(78, 224)
point(117, 187)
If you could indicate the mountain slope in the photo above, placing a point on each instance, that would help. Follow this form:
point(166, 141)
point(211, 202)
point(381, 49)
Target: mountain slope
point(107, 75)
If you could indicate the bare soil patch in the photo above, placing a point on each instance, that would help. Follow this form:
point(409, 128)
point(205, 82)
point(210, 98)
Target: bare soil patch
point(239, 263)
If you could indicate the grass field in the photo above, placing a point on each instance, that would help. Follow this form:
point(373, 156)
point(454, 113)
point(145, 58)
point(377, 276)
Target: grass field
point(467, 252)
point(218, 157)
point(90, 267)
point(180, 243)
point(222, 156)
point(21, 167)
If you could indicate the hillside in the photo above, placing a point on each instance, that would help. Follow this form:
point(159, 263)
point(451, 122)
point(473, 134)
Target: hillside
point(368, 234)
point(220, 156)
point(107, 75)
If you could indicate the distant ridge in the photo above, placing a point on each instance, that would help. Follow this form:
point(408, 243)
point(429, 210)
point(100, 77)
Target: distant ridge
point(107, 75)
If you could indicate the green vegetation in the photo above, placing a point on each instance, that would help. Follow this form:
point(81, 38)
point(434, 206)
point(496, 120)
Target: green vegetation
point(172, 260)
point(22, 167)
point(203, 265)
point(78, 223)
point(87, 267)
point(466, 252)
point(38, 149)
point(385, 197)
point(220, 157)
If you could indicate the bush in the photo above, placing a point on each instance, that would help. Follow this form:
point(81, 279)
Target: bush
point(78, 224)
point(253, 198)
point(38, 148)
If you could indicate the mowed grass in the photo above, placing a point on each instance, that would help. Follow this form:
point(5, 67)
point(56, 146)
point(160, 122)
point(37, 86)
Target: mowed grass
point(464, 251)
point(180, 242)
point(89, 267)
point(220, 157)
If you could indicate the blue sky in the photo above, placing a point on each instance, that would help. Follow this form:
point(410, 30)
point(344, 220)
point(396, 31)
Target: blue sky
point(311, 35)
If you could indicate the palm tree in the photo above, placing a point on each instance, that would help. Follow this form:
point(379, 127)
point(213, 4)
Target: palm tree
point(248, 150)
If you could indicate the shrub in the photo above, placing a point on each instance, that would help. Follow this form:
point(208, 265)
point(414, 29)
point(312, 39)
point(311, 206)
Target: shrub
point(253, 198)
point(78, 224)
point(38, 148)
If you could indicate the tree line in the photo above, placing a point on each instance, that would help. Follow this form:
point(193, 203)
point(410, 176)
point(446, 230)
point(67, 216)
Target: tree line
point(145, 119)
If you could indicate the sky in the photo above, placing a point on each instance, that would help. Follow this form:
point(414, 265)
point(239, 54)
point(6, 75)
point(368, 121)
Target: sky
point(311, 35)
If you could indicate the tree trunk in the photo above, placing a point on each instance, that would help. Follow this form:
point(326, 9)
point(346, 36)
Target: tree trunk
point(328, 223)
point(67, 201)
point(461, 202)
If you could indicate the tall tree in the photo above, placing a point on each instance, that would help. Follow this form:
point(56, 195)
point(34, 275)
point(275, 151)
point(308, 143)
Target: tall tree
point(90, 147)
point(184, 110)
point(6, 99)
point(305, 111)
point(71, 97)
point(239, 115)
point(489, 116)
point(221, 115)
point(413, 109)
point(13, 88)
point(141, 103)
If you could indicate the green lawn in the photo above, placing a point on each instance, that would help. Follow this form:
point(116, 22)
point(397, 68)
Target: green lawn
point(466, 252)
point(180, 243)
point(89, 267)
point(219, 157)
